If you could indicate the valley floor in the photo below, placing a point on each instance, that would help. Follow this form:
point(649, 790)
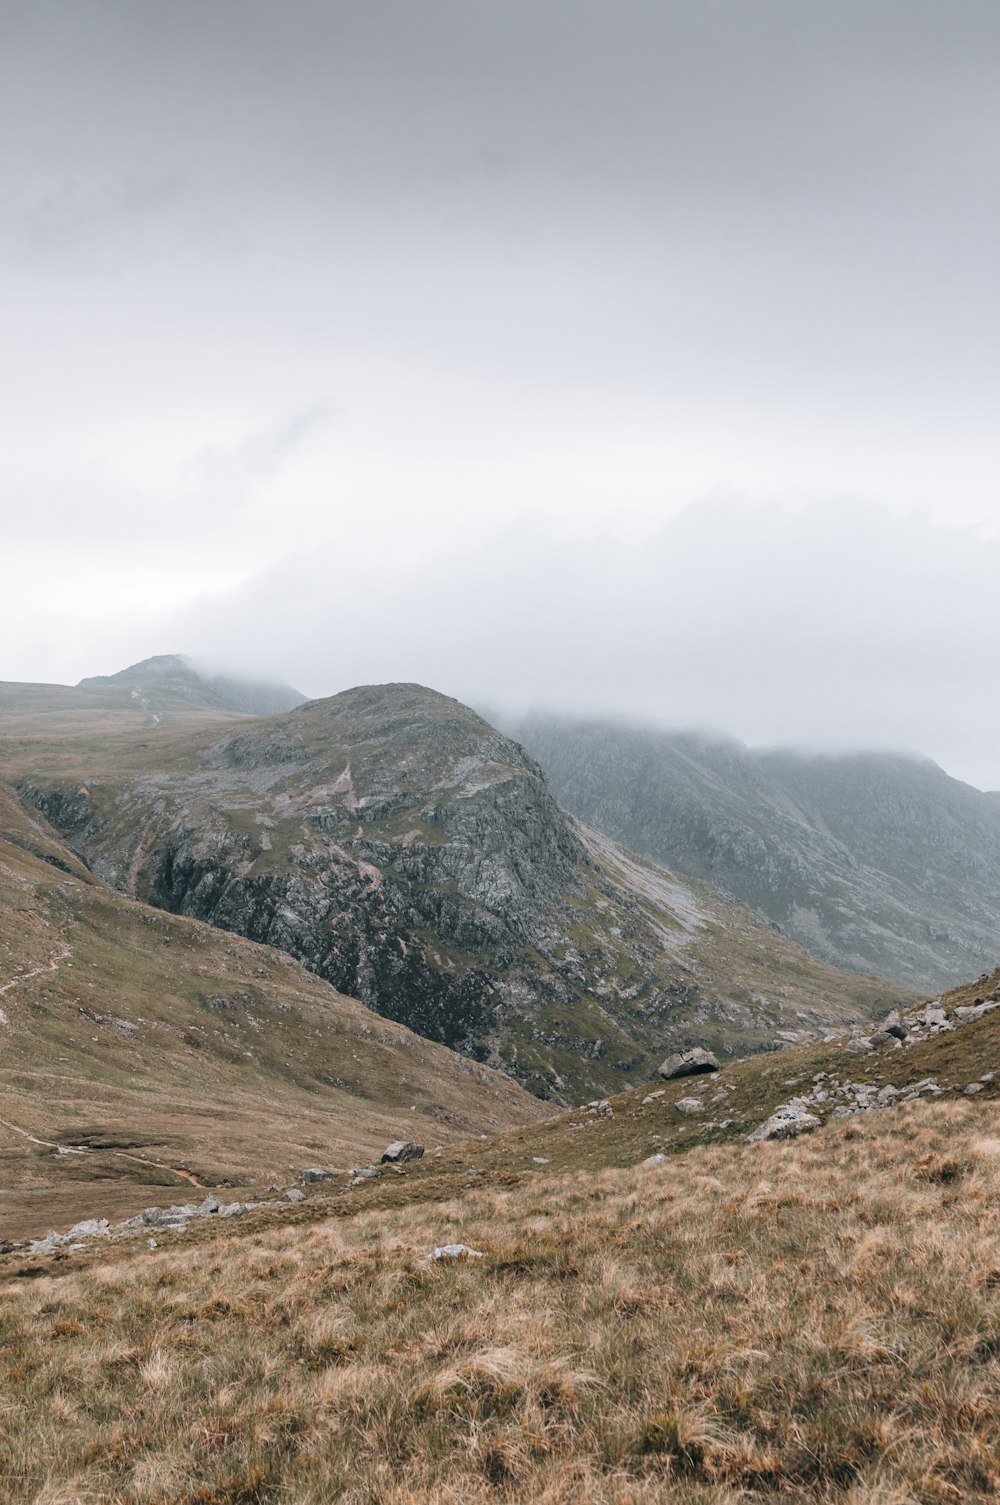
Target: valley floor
point(814, 1320)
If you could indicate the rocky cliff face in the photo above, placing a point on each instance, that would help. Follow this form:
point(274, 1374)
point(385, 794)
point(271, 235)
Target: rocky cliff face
point(874, 862)
point(415, 858)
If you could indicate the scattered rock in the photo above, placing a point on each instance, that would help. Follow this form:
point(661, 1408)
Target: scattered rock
point(402, 1149)
point(652, 1096)
point(457, 1251)
point(688, 1063)
point(690, 1105)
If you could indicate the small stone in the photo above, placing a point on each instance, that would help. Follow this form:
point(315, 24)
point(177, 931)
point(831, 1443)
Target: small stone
point(652, 1096)
point(690, 1105)
point(539, 1160)
point(973, 1088)
point(152, 1244)
point(456, 1251)
point(656, 1159)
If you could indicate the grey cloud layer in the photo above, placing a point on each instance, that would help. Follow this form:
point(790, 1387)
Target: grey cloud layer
point(358, 286)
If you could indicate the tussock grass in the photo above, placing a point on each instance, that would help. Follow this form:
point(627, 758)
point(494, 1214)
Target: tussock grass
point(807, 1321)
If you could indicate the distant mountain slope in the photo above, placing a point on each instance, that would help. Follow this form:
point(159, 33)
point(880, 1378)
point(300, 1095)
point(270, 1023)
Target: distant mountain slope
point(161, 682)
point(162, 1046)
point(873, 861)
point(411, 855)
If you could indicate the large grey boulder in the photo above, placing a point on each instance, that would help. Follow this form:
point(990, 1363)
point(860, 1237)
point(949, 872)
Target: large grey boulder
point(400, 1150)
point(688, 1063)
point(786, 1123)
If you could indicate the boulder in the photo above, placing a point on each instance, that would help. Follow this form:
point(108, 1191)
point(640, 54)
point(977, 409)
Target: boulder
point(688, 1063)
point(784, 1124)
point(89, 1228)
point(292, 1195)
point(402, 1149)
point(690, 1105)
point(313, 1173)
point(893, 1025)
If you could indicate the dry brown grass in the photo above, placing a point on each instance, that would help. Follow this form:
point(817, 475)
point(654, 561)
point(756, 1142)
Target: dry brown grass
point(814, 1321)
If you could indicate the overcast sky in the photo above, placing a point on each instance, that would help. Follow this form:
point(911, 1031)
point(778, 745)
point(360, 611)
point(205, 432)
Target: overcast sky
point(638, 355)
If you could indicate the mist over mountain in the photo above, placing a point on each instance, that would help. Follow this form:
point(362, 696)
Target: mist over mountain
point(160, 682)
point(874, 861)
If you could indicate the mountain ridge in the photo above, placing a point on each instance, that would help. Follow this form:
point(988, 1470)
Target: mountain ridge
point(873, 861)
point(413, 856)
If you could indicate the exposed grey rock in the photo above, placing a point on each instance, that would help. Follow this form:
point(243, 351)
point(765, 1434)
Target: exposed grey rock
point(860, 1045)
point(292, 1194)
point(456, 1251)
point(973, 1088)
point(211, 1204)
point(786, 1123)
point(90, 1228)
point(313, 1173)
point(48, 1244)
point(690, 1105)
point(651, 1097)
point(656, 1159)
point(231, 1210)
point(688, 1063)
point(400, 1150)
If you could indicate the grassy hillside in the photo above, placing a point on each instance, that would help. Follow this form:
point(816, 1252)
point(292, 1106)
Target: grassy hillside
point(153, 1049)
point(815, 1320)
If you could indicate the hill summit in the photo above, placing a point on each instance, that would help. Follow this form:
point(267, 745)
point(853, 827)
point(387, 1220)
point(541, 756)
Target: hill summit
point(176, 677)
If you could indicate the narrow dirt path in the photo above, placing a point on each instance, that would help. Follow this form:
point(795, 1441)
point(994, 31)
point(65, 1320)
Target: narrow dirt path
point(71, 1149)
point(175, 1170)
point(49, 1144)
point(50, 966)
